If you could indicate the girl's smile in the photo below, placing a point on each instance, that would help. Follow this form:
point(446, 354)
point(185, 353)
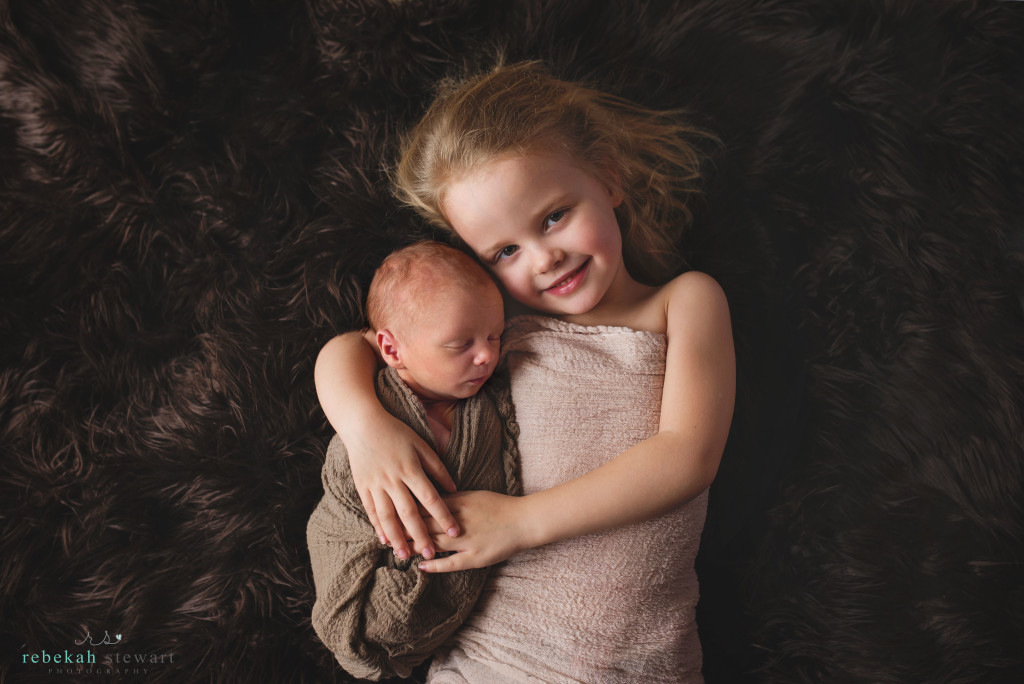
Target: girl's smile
point(569, 283)
point(545, 227)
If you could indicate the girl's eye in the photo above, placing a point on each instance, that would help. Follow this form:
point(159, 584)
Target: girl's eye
point(506, 252)
point(554, 217)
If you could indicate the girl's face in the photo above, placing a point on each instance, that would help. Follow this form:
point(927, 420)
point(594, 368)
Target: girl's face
point(545, 228)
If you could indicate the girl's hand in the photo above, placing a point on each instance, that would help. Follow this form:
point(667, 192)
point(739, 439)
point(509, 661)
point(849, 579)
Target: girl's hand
point(389, 461)
point(390, 464)
point(492, 530)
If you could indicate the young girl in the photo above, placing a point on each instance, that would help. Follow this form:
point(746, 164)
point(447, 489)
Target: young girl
point(575, 201)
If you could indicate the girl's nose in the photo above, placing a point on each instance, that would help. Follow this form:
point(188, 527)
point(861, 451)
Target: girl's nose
point(548, 259)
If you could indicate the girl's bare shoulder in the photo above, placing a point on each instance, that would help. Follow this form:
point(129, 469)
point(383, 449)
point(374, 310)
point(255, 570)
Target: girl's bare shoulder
point(694, 300)
point(692, 296)
point(692, 285)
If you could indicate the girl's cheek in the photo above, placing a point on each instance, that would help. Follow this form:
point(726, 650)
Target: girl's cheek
point(524, 292)
point(510, 284)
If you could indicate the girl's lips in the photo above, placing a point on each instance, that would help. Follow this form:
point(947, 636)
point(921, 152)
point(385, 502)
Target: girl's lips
point(569, 283)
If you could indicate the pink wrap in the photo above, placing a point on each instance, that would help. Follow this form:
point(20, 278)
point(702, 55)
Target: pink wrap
point(616, 606)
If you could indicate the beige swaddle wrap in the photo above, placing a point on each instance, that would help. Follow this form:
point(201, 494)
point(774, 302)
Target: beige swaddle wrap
point(379, 615)
point(617, 606)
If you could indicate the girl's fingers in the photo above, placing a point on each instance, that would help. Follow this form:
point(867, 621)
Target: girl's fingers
point(442, 542)
point(434, 505)
point(367, 500)
point(415, 529)
point(390, 524)
point(435, 528)
point(449, 564)
point(433, 467)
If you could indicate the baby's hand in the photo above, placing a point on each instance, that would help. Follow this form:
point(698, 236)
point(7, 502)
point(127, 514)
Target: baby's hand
point(390, 475)
point(491, 532)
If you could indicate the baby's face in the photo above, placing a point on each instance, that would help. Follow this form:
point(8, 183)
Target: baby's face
point(452, 348)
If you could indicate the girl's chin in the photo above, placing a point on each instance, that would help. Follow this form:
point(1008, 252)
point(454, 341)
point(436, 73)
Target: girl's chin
point(573, 306)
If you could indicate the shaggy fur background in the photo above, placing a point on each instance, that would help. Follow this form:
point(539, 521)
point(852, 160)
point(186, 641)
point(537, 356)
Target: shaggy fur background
point(192, 201)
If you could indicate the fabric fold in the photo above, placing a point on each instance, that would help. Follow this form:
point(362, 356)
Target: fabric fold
point(616, 606)
point(379, 615)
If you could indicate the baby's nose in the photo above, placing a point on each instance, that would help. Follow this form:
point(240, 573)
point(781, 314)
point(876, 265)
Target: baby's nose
point(484, 355)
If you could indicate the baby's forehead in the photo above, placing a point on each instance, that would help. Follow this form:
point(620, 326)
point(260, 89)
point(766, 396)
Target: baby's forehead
point(427, 282)
point(434, 289)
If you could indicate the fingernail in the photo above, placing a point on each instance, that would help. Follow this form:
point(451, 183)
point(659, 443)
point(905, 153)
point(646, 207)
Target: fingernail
point(453, 531)
point(428, 553)
point(383, 540)
point(403, 554)
point(422, 566)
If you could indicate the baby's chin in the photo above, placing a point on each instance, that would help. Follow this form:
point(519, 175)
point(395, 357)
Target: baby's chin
point(456, 391)
point(468, 390)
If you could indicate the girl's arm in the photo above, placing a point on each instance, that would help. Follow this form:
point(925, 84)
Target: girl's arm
point(651, 478)
point(389, 461)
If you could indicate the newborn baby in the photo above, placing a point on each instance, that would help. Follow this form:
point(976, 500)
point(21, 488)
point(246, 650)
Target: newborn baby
point(436, 318)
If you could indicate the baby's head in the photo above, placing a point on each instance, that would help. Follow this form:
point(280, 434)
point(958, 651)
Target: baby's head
point(520, 109)
point(437, 318)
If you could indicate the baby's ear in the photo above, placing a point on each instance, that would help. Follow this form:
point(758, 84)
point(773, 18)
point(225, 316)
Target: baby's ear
point(388, 347)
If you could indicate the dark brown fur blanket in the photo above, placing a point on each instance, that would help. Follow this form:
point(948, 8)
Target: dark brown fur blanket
point(191, 202)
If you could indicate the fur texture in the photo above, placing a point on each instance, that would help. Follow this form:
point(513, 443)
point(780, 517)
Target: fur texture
point(192, 201)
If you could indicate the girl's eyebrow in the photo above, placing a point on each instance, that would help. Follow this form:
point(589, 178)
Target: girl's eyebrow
point(551, 206)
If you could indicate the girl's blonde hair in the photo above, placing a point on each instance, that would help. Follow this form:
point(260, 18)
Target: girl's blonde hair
point(520, 108)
